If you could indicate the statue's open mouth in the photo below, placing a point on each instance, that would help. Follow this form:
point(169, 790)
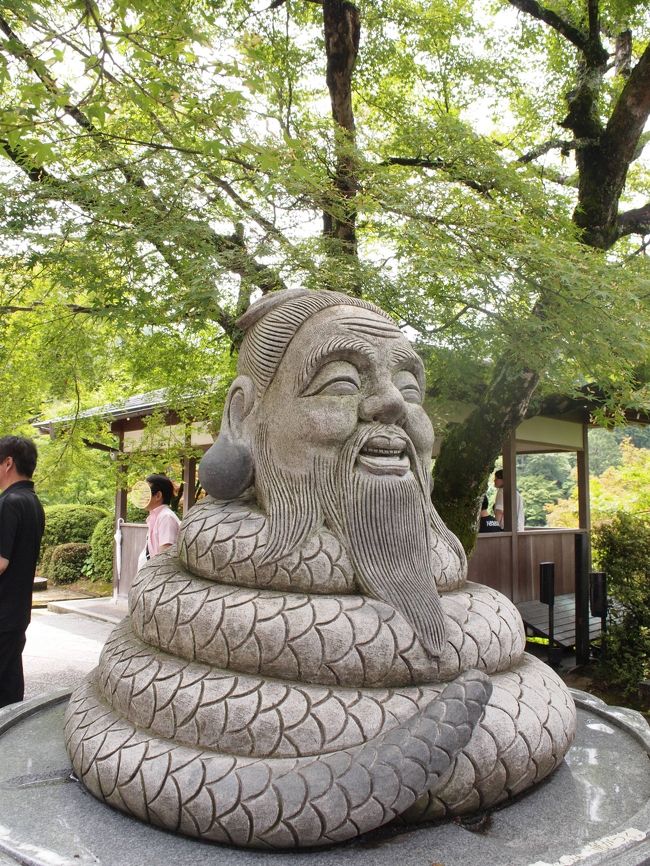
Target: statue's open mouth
point(384, 455)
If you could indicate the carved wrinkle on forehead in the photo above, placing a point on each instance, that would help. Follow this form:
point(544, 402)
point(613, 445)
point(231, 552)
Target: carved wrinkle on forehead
point(371, 326)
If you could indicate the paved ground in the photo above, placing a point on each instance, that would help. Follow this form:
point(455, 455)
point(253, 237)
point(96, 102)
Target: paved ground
point(60, 650)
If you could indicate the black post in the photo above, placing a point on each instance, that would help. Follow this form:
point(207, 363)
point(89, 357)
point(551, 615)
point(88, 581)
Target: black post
point(582, 597)
point(547, 596)
point(598, 604)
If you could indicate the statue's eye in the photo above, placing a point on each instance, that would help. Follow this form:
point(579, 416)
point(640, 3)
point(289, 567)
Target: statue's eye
point(336, 379)
point(339, 388)
point(408, 386)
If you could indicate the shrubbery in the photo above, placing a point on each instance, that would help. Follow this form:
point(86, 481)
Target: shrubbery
point(66, 524)
point(622, 548)
point(67, 561)
point(134, 514)
point(101, 550)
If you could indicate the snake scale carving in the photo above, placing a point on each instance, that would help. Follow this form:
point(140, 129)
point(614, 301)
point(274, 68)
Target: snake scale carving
point(318, 678)
point(309, 662)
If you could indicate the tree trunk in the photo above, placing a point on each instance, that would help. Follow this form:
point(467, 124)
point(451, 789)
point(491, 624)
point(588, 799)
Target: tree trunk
point(342, 31)
point(470, 449)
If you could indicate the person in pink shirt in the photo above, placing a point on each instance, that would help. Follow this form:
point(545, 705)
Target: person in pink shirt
point(162, 523)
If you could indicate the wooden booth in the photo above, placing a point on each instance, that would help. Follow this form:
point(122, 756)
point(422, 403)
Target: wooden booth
point(127, 422)
point(509, 561)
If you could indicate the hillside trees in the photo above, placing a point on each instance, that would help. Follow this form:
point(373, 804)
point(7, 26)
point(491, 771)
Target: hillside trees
point(625, 487)
point(164, 161)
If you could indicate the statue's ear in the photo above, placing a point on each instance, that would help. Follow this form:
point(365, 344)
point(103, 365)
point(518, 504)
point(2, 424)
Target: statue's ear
point(226, 469)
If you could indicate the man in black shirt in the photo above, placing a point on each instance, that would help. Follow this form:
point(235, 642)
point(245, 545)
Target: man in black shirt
point(21, 528)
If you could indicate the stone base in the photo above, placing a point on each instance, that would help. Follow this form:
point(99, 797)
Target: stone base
point(594, 810)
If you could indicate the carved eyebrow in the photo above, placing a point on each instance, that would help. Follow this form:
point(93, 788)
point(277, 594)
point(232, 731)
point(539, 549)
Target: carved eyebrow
point(412, 361)
point(332, 347)
point(405, 353)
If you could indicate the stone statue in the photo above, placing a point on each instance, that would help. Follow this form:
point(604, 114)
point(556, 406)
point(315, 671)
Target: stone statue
point(310, 663)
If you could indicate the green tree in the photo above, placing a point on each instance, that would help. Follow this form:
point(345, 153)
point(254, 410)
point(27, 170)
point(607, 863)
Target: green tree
point(542, 480)
point(165, 161)
point(604, 450)
point(625, 487)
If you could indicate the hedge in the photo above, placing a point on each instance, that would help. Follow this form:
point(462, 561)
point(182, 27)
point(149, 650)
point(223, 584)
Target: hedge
point(66, 524)
point(101, 550)
point(622, 548)
point(67, 562)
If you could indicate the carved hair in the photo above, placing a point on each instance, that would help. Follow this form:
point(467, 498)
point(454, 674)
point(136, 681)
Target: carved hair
point(272, 322)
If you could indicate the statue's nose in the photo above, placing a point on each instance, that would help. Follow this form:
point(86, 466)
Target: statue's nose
point(386, 405)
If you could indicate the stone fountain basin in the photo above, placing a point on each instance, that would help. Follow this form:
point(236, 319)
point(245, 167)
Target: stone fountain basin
point(595, 809)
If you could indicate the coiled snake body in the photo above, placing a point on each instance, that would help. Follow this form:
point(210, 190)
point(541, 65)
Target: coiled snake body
point(274, 706)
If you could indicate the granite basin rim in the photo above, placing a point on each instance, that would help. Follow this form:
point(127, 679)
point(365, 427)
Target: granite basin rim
point(365, 852)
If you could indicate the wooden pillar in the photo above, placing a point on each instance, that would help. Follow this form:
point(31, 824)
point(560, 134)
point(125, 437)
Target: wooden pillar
point(583, 552)
point(584, 509)
point(510, 508)
point(582, 598)
point(189, 472)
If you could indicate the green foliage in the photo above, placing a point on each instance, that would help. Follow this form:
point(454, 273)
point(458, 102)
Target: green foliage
point(622, 487)
point(67, 562)
point(44, 560)
point(622, 548)
point(70, 523)
point(101, 549)
point(66, 524)
point(537, 492)
point(604, 451)
point(134, 514)
point(542, 480)
point(70, 472)
point(161, 162)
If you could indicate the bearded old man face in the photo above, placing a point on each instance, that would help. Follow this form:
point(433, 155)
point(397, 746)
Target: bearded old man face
point(345, 369)
point(338, 436)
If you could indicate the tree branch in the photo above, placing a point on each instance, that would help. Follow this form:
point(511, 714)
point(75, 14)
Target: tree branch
point(630, 114)
point(635, 221)
point(536, 10)
point(562, 144)
point(248, 208)
point(231, 248)
point(8, 309)
point(439, 164)
point(593, 17)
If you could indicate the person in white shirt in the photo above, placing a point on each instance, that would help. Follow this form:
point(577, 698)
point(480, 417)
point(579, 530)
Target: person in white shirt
point(498, 503)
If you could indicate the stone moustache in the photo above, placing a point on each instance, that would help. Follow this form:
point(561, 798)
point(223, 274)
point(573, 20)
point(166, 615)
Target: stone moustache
point(310, 663)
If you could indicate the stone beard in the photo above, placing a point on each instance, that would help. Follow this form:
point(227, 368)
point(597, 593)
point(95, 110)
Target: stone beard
point(382, 520)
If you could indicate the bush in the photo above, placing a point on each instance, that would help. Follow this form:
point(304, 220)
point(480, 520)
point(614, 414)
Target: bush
point(135, 515)
point(67, 562)
point(622, 547)
point(101, 550)
point(65, 524)
point(44, 563)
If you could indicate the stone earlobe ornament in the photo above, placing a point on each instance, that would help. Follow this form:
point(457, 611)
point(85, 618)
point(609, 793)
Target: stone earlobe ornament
point(227, 469)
